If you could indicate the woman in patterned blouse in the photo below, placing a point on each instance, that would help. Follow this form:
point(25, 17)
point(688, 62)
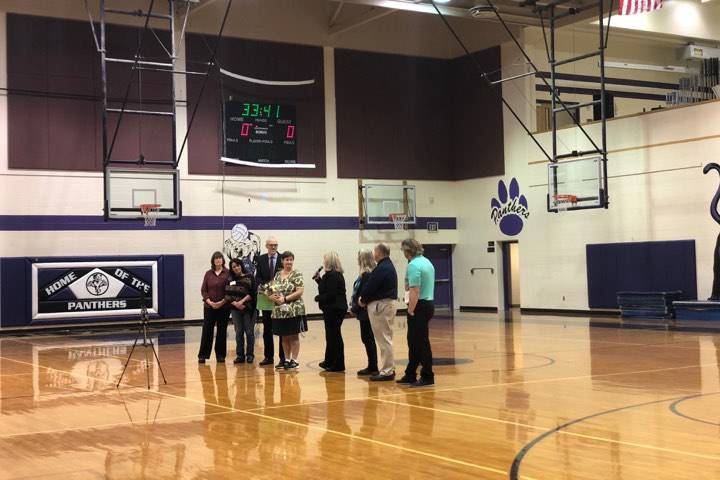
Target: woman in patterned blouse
point(289, 311)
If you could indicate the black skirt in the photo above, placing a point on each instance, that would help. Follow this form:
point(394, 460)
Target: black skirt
point(288, 326)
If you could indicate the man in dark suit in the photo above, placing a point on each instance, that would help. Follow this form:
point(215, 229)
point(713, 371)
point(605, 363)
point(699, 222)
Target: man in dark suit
point(266, 266)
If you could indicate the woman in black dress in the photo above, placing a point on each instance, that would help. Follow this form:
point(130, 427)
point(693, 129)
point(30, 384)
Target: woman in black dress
point(333, 303)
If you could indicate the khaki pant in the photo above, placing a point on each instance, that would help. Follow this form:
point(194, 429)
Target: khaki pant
point(382, 315)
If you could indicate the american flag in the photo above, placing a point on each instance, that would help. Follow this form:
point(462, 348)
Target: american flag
point(631, 7)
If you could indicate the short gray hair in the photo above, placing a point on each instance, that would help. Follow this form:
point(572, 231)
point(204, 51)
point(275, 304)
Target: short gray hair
point(411, 247)
point(383, 249)
point(331, 262)
point(366, 262)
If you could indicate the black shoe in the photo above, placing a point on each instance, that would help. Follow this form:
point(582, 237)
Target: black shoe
point(239, 359)
point(323, 365)
point(423, 382)
point(383, 378)
point(406, 380)
point(367, 371)
point(221, 360)
point(291, 365)
point(250, 359)
point(201, 361)
point(280, 365)
point(266, 361)
point(337, 370)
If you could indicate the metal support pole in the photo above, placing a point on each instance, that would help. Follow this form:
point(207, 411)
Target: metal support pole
point(173, 47)
point(603, 113)
point(103, 77)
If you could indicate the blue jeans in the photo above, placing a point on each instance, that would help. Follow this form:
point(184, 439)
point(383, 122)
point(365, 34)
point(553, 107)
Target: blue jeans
point(244, 327)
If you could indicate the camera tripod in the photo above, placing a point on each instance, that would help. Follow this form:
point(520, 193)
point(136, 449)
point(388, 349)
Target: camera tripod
point(146, 342)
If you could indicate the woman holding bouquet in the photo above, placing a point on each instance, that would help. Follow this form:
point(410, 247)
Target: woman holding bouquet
point(289, 311)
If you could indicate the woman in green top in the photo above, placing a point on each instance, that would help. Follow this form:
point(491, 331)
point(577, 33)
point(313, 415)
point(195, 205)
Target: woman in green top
point(289, 311)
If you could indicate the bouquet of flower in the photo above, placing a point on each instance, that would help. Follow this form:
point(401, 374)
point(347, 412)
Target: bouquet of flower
point(270, 289)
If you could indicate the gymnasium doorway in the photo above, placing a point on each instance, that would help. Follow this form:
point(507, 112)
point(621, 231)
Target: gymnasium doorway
point(512, 297)
point(441, 258)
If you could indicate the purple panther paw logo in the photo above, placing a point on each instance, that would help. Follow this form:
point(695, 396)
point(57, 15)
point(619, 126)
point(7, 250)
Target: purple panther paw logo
point(509, 211)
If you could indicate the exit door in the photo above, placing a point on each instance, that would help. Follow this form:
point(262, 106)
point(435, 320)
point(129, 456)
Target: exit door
point(441, 258)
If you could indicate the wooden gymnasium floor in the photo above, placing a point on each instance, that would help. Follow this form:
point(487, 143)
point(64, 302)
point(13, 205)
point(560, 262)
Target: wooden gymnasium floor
point(536, 398)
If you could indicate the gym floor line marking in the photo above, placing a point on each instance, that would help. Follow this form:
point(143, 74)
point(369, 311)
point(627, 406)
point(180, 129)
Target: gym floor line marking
point(676, 411)
point(269, 417)
point(561, 432)
point(487, 385)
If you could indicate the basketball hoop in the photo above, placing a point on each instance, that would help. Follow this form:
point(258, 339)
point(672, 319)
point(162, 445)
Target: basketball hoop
point(150, 212)
point(399, 220)
point(564, 201)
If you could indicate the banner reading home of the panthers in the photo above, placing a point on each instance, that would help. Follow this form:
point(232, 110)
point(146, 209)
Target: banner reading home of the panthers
point(93, 289)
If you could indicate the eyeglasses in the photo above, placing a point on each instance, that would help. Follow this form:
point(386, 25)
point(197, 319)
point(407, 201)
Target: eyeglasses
point(271, 245)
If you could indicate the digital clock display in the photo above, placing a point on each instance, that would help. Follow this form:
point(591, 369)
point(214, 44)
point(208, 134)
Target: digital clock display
point(260, 132)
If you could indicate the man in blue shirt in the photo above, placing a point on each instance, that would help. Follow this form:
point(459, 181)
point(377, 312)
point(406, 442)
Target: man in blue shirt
point(420, 282)
point(379, 294)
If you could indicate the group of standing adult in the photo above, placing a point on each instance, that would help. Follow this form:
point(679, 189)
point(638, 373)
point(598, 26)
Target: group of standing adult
point(275, 290)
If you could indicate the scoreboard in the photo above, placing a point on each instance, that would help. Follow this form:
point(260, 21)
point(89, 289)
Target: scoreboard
point(262, 133)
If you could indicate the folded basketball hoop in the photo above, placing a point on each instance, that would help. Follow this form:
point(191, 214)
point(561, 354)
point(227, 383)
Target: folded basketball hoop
point(399, 220)
point(150, 212)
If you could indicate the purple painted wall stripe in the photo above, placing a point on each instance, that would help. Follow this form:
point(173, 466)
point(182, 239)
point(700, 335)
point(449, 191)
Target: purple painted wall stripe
point(15, 223)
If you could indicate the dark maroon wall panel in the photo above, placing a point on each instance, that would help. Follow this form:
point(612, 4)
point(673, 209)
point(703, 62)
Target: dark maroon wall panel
point(391, 112)
point(477, 121)
point(263, 60)
point(54, 103)
point(401, 117)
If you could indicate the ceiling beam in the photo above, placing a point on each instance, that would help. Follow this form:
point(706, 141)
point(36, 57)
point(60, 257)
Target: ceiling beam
point(362, 19)
point(335, 15)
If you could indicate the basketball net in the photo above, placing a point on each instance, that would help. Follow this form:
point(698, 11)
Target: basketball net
point(150, 212)
point(399, 220)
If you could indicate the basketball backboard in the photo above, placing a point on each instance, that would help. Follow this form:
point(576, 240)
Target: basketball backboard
point(379, 201)
point(128, 188)
point(576, 184)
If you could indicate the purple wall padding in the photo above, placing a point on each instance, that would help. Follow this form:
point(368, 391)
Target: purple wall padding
point(662, 266)
point(16, 288)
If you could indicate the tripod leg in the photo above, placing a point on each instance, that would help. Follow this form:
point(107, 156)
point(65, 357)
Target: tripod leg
point(128, 358)
point(157, 359)
point(145, 344)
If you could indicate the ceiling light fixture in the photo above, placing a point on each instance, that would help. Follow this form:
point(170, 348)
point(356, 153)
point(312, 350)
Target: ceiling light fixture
point(482, 11)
